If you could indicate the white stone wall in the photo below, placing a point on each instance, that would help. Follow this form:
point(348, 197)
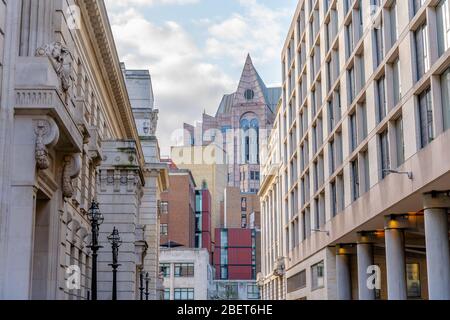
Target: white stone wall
point(202, 280)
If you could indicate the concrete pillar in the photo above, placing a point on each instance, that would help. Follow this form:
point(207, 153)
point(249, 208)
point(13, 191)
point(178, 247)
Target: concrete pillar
point(395, 264)
point(365, 259)
point(343, 277)
point(437, 246)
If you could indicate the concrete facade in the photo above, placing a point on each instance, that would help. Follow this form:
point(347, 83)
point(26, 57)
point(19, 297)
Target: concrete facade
point(356, 181)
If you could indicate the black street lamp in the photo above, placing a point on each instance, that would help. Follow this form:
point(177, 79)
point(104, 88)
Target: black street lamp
point(96, 219)
point(141, 285)
point(114, 239)
point(147, 280)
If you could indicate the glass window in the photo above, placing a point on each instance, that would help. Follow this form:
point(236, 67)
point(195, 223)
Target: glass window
point(425, 118)
point(397, 81)
point(421, 44)
point(243, 204)
point(164, 229)
point(164, 269)
point(184, 294)
point(184, 270)
point(164, 207)
point(355, 179)
point(379, 43)
point(223, 272)
point(231, 291)
point(296, 282)
point(317, 276)
point(252, 292)
point(166, 294)
point(445, 88)
point(393, 20)
point(384, 153)
point(353, 132)
point(399, 141)
point(443, 25)
point(249, 94)
point(333, 199)
point(381, 99)
point(351, 84)
point(413, 280)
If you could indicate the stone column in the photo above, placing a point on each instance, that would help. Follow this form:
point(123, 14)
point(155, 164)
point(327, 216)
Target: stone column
point(437, 245)
point(32, 138)
point(395, 261)
point(343, 277)
point(365, 259)
point(119, 196)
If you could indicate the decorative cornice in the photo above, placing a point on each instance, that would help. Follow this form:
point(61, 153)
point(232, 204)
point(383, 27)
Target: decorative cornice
point(99, 27)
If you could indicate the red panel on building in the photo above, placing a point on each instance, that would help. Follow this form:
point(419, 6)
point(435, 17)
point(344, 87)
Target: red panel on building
point(239, 237)
point(239, 273)
point(239, 254)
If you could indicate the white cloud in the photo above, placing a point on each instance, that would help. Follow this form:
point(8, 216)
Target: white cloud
point(183, 84)
point(128, 3)
point(258, 30)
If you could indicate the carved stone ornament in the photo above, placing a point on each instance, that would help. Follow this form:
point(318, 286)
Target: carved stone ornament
point(47, 134)
point(71, 170)
point(153, 122)
point(59, 56)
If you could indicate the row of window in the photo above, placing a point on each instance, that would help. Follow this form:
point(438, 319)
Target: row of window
point(254, 175)
point(181, 270)
point(359, 166)
point(180, 294)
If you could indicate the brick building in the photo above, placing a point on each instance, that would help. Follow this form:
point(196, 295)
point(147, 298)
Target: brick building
point(178, 209)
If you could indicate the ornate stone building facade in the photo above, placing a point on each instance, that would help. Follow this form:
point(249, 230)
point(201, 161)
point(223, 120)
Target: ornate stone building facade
point(68, 136)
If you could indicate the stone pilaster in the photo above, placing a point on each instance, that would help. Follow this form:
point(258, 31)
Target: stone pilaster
point(119, 196)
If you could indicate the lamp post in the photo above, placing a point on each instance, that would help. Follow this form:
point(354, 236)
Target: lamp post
point(141, 285)
point(96, 219)
point(147, 280)
point(114, 239)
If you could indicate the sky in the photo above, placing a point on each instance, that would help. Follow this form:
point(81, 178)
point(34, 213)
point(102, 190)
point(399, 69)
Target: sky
point(195, 50)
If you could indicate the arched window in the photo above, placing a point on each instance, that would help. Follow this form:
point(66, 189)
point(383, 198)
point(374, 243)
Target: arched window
point(250, 138)
point(249, 94)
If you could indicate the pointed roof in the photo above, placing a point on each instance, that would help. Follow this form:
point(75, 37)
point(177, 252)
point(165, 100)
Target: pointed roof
point(250, 80)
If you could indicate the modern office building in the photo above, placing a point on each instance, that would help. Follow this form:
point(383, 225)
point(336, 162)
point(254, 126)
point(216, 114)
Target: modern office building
point(239, 127)
point(356, 197)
